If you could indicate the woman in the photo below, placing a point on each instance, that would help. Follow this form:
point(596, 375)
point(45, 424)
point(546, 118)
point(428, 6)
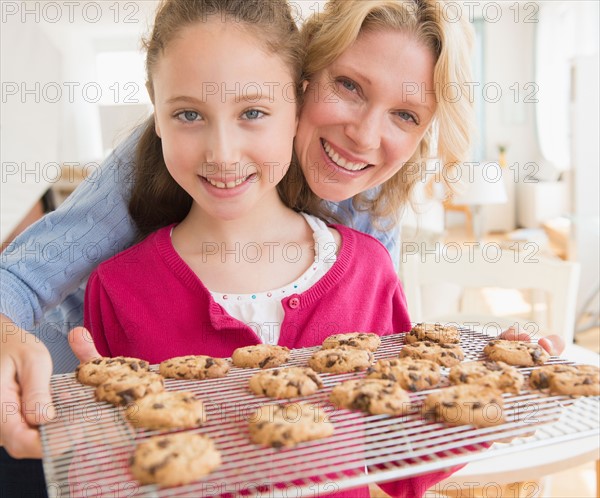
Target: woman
point(375, 73)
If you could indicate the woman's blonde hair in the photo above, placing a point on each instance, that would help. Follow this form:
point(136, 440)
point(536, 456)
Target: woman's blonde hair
point(328, 34)
point(157, 200)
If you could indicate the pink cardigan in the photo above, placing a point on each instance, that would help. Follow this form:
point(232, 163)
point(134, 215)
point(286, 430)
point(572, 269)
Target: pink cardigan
point(147, 303)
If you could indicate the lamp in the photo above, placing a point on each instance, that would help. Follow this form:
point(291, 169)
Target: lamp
point(483, 184)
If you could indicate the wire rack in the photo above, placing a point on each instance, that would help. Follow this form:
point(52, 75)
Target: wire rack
point(87, 447)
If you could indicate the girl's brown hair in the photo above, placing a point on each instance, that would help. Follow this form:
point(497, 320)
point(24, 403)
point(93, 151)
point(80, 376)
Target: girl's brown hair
point(157, 200)
point(328, 34)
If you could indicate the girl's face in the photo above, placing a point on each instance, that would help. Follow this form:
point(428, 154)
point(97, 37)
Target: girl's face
point(226, 114)
point(365, 114)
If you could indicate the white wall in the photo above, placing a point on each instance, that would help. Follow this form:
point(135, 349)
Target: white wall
point(30, 118)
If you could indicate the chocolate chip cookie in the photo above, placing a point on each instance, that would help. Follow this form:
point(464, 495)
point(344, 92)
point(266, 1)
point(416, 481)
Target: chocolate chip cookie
point(124, 388)
point(174, 459)
point(433, 332)
point(194, 367)
point(445, 355)
point(358, 340)
point(374, 396)
point(494, 374)
point(260, 356)
point(288, 425)
point(166, 410)
point(285, 383)
point(412, 375)
point(517, 353)
point(341, 360)
point(97, 370)
point(572, 380)
point(467, 404)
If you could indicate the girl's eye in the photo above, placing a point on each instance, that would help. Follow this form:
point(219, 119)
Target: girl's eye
point(347, 84)
point(252, 114)
point(406, 116)
point(188, 116)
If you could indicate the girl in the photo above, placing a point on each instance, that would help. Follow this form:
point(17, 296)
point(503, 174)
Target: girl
point(241, 267)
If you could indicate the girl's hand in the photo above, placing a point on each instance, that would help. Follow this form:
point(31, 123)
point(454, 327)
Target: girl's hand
point(552, 343)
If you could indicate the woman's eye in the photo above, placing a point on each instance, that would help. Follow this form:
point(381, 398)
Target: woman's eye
point(347, 84)
point(188, 116)
point(406, 116)
point(252, 114)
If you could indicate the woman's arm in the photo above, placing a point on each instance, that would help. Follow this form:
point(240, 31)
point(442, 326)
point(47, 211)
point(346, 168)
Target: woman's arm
point(40, 269)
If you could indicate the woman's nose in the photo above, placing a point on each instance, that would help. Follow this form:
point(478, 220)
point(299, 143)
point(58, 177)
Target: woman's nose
point(366, 130)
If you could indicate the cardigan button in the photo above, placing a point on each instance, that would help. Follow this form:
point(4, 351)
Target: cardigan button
point(294, 302)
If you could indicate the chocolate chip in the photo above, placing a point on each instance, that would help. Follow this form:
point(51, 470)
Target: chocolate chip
point(464, 378)
point(209, 363)
point(263, 363)
point(362, 402)
point(163, 443)
point(158, 406)
point(127, 396)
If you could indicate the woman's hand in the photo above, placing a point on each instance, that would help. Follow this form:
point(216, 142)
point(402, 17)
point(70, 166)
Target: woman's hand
point(25, 370)
point(551, 343)
point(82, 344)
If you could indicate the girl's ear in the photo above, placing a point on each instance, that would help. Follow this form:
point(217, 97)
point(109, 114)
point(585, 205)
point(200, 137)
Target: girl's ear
point(156, 127)
point(150, 91)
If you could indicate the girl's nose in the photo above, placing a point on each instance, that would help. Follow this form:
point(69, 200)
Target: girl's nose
point(222, 147)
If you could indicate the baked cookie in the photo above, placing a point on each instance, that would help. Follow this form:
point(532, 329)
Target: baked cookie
point(166, 410)
point(497, 375)
point(288, 425)
point(412, 375)
point(341, 360)
point(285, 382)
point(374, 396)
point(124, 388)
point(467, 404)
point(358, 340)
point(174, 459)
point(517, 353)
point(97, 370)
point(194, 367)
point(260, 356)
point(446, 355)
point(573, 380)
point(434, 332)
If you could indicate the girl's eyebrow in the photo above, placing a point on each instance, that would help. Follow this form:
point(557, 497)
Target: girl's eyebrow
point(249, 97)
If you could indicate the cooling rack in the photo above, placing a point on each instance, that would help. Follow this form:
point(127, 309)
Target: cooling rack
point(88, 445)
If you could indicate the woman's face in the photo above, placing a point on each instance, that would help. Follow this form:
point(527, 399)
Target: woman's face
point(365, 114)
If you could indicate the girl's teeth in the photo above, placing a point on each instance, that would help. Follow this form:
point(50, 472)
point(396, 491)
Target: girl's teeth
point(232, 184)
point(340, 161)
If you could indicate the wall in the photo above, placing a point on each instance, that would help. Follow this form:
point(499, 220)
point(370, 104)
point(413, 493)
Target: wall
point(30, 118)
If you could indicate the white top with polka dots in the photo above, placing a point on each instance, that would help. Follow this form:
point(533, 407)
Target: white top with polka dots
point(263, 311)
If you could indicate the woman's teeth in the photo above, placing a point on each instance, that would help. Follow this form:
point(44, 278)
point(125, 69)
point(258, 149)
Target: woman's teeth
point(340, 161)
point(232, 184)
